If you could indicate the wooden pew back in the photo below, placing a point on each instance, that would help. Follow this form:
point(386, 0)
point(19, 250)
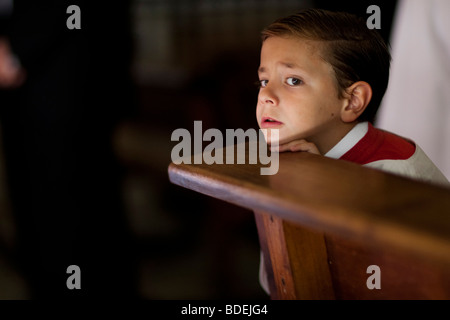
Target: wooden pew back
point(323, 222)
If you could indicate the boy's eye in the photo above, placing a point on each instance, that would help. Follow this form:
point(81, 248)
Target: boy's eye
point(293, 81)
point(263, 83)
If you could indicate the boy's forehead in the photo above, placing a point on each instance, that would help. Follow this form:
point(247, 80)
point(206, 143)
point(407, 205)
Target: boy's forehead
point(292, 51)
point(290, 44)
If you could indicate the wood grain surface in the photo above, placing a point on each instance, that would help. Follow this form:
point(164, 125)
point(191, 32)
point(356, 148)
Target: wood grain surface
point(361, 216)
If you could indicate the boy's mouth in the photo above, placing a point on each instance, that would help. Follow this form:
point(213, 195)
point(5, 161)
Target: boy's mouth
point(267, 122)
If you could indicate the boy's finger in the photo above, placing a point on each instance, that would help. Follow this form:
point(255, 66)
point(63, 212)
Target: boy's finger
point(297, 145)
point(287, 146)
point(305, 147)
point(283, 147)
point(275, 149)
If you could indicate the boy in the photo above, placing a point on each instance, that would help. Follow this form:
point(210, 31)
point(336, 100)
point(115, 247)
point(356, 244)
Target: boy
point(322, 77)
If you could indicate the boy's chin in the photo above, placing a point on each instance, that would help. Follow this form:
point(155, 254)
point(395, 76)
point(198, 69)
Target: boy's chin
point(274, 137)
point(271, 139)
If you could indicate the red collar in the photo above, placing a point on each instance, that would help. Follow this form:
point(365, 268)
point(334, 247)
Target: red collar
point(377, 145)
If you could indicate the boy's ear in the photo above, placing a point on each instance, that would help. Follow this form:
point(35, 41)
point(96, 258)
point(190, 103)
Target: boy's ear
point(357, 97)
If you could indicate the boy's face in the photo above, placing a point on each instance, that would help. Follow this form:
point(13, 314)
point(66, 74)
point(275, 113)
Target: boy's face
point(298, 93)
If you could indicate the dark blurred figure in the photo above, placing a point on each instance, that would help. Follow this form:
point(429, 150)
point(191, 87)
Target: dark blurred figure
point(57, 122)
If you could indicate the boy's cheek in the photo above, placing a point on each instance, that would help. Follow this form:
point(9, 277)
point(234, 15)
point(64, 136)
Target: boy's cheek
point(258, 117)
point(259, 113)
point(270, 136)
point(266, 135)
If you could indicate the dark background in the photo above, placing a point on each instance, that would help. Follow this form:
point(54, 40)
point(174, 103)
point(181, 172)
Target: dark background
point(86, 145)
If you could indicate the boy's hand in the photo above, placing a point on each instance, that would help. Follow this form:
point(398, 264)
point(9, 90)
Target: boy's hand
point(297, 145)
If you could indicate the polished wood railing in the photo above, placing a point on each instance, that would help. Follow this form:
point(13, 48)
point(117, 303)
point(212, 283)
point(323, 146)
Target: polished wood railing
point(324, 223)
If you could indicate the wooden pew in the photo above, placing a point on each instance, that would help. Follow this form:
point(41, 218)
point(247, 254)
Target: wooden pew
point(323, 222)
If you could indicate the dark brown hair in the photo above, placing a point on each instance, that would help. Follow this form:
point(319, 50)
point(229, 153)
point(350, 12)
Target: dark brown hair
point(355, 52)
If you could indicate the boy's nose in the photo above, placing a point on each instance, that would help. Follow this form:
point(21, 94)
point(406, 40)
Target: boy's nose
point(268, 96)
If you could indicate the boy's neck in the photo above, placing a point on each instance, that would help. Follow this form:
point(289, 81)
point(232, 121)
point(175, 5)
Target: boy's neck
point(336, 135)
